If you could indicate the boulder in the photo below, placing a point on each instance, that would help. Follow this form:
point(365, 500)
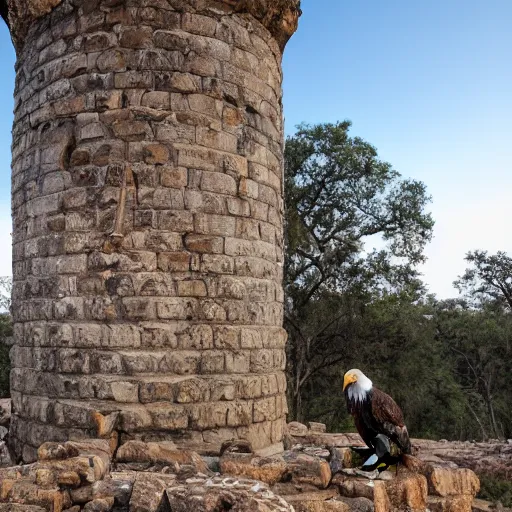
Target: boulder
point(5, 456)
point(99, 505)
point(355, 487)
point(119, 486)
point(451, 482)
point(358, 504)
point(27, 493)
point(89, 469)
point(407, 490)
point(164, 453)
point(490, 458)
point(221, 494)
point(306, 469)
point(17, 507)
point(5, 412)
point(57, 451)
point(52, 451)
point(340, 458)
point(462, 503)
point(297, 429)
point(320, 501)
point(266, 469)
point(317, 427)
point(381, 502)
point(148, 491)
point(236, 446)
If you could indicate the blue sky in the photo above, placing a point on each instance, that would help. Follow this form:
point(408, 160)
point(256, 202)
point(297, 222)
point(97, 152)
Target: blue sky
point(428, 83)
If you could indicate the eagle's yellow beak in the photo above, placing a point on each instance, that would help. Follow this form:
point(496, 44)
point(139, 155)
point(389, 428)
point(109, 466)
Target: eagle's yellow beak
point(348, 379)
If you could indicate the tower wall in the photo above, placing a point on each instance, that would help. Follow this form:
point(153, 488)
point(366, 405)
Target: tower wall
point(148, 221)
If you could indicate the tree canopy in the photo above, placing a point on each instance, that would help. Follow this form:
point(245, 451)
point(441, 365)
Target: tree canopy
point(347, 305)
point(340, 196)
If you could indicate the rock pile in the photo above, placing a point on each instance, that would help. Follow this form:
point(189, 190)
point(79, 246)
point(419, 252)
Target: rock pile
point(317, 473)
point(492, 458)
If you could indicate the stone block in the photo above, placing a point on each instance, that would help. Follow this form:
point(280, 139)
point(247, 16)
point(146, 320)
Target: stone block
point(317, 427)
point(450, 482)
point(148, 491)
point(192, 288)
point(407, 490)
point(268, 470)
point(305, 469)
point(160, 453)
point(322, 501)
point(119, 487)
point(456, 503)
point(204, 244)
point(173, 177)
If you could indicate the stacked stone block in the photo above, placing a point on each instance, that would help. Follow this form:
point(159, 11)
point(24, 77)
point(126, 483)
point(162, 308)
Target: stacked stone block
point(148, 220)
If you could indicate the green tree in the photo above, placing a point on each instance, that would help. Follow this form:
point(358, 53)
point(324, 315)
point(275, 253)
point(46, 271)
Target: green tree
point(5, 334)
point(488, 278)
point(5, 293)
point(480, 343)
point(5, 366)
point(339, 195)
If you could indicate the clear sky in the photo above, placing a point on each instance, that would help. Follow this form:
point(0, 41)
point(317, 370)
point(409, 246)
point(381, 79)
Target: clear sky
point(428, 83)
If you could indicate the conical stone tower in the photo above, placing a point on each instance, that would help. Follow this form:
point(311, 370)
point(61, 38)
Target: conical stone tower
point(148, 221)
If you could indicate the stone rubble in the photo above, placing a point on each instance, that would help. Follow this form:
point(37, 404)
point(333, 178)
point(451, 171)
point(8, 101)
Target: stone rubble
point(141, 476)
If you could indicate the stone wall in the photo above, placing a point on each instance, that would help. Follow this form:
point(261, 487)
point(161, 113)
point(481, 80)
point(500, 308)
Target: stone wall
point(147, 212)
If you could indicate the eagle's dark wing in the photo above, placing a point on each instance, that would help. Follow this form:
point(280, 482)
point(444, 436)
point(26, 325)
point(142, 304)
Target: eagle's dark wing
point(390, 420)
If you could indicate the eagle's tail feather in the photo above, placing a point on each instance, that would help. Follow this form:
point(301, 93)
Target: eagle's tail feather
point(403, 439)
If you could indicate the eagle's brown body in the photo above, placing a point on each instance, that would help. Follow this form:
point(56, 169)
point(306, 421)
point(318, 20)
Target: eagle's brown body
point(380, 414)
point(375, 412)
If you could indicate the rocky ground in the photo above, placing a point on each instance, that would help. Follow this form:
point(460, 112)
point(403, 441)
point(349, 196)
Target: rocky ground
point(317, 473)
point(492, 458)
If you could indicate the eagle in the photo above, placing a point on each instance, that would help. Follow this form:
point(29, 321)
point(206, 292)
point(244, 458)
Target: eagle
point(375, 413)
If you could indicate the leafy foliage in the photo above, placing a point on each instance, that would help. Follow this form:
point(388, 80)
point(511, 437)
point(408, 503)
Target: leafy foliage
point(488, 278)
point(5, 293)
point(495, 489)
point(445, 362)
point(5, 367)
point(339, 195)
point(5, 333)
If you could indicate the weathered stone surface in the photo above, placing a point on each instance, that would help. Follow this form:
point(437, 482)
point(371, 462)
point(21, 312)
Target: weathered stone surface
point(119, 486)
point(148, 491)
point(317, 427)
point(407, 489)
point(5, 456)
point(219, 493)
point(356, 487)
point(297, 429)
point(160, 453)
point(5, 412)
point(450, 482)
point(359, 504)
point(27, 493)
point(268, 470)
point(99, 505)
point(462, 503)
point(17, 507)
point(306, 469)
point(489, 458)
point(147, 168)
point(322, 501)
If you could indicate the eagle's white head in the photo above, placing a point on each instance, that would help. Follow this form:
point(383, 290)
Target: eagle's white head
point(357, 384)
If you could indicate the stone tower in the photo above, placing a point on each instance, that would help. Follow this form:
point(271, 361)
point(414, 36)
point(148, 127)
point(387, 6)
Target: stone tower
point(147, 211)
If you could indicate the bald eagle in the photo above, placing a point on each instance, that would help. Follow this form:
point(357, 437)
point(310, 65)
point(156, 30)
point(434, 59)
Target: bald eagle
point(374, 412)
